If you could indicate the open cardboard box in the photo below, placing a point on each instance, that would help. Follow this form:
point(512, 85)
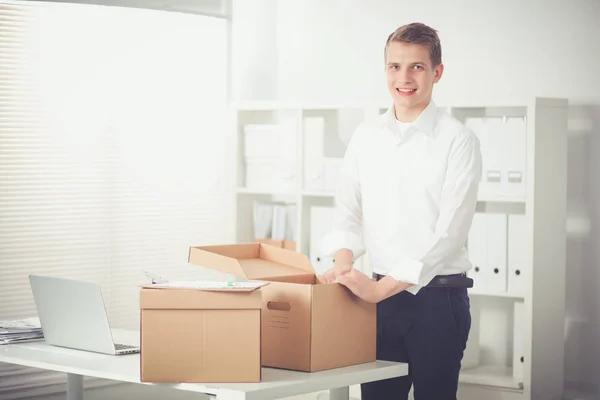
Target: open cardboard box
point(286, 244)
point(192, 335)
point(306, 325)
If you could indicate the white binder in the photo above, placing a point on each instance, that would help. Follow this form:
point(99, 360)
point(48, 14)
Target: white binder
point(515, 158)
point(496, 269)
point(477, 250)
point(518, 268)
point(487, 252)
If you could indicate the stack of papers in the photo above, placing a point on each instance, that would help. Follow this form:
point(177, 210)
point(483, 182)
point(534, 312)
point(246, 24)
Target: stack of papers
point(21, 330)
point(211, 285)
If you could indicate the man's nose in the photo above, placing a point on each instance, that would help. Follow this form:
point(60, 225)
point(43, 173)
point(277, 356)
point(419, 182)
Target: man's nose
point(404, 76)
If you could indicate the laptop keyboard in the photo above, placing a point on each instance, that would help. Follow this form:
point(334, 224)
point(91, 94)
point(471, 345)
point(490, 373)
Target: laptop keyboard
point(119, 346)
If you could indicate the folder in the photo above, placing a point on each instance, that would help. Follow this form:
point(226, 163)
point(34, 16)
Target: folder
point(515, 157)
point(518, 265)
point(496, 270)
point(487, 249)
point(477, 250)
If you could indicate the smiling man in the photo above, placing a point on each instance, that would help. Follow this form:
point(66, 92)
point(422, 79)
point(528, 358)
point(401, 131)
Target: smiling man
point(407, 195)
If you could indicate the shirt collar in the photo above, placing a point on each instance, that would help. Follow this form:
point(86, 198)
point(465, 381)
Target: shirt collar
point(425, 122)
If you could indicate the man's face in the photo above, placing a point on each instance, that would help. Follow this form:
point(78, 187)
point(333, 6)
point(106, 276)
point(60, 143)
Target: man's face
point(410, 74)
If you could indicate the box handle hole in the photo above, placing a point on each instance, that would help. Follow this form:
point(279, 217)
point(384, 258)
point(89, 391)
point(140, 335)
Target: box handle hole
point(278, 306)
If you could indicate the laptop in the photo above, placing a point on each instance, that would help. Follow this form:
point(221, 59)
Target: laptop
point(72, 314)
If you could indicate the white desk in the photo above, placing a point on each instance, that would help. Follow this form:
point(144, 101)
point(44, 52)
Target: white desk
point(275, 384)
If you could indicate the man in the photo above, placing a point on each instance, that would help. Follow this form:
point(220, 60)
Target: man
point(407, 195)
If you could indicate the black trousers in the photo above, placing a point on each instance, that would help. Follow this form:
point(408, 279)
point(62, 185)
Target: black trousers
point(429, 331)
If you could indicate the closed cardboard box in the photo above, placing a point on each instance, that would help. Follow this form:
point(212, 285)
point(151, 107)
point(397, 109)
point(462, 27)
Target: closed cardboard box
point(200, 336)
point(306, 325)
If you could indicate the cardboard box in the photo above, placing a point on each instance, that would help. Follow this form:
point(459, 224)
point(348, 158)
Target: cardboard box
point(200, 336)
point(306, 325)
point(285, 244)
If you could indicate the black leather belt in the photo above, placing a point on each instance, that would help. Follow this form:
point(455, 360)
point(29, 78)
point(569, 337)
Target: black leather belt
point(445, 281)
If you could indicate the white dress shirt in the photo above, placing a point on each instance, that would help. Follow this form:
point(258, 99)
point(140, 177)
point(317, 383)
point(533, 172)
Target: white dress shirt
point(408, 198)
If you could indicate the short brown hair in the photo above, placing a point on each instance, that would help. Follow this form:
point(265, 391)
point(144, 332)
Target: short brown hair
point(419, 33)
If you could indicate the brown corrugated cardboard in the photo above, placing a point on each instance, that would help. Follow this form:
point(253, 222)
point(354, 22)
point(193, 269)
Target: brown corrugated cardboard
point(286, 244)
point(306, 325)
point(200, 336)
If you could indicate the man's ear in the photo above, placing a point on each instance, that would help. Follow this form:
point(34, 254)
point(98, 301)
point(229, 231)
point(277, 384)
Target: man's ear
point(437, 73)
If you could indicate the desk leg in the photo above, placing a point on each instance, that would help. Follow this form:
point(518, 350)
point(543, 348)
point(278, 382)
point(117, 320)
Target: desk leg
point(342, 393)
point(74, 387)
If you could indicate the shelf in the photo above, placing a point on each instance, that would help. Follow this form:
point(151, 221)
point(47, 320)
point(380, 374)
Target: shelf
point(520, 223)
point(318, 194)
point(482, 199)
point(262, 106)
point(494, 376)
point(263, 192)
point(491, 198)
point(292, 105)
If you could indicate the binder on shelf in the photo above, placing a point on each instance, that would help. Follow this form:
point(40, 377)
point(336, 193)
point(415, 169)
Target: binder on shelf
point(496, 271)
point(275, 224)
point(515, 156)
point(487, 245)
point(504, 152)
point(278, 227)
point(518, 266)
point(262, 219)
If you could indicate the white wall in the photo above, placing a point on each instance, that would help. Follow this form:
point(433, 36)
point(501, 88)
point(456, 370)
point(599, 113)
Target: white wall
point(331, 51)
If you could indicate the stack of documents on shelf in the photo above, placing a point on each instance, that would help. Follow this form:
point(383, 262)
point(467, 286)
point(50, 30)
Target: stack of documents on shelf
point(278, 225)
point(22, 330)
point(274, 223)
point(262, 219)
point(270, 156)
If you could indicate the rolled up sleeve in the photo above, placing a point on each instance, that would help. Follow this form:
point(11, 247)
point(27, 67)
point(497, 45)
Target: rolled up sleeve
point(457, 208)
point(346, 232)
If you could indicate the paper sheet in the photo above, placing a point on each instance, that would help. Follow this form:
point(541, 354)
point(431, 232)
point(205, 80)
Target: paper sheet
point(211, 285)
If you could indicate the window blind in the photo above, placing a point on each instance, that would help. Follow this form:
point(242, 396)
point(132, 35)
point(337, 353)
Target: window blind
point(215, 8)
point(113, 155)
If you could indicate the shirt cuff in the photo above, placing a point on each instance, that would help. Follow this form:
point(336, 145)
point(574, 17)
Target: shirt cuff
point(408, 271)
point(337, 240)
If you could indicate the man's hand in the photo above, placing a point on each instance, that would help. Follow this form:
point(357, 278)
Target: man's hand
point(331, 275)
point(362, 286)
point(342, 265)
point(369, 290)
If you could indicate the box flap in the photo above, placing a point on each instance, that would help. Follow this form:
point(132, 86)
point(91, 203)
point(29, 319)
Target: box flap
point(222, 258)
point(286, 257)
point(182, 299)
point(252, 261)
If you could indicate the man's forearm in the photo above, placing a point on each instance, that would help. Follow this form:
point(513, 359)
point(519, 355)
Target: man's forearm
point(388, 286)
point(344, 257)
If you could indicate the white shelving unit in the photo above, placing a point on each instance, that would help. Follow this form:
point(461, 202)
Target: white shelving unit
point(518, 247)
point(517, 243)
